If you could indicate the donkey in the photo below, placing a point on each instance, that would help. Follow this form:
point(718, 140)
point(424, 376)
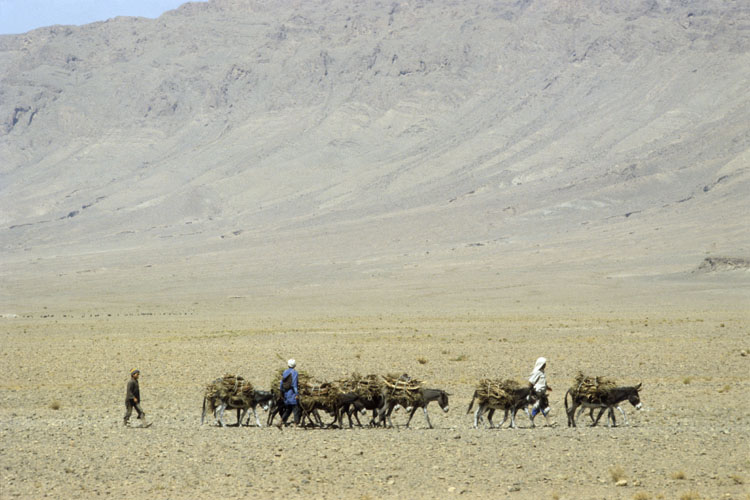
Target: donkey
point(310, 410)
point(360, 405)
point(262, 398)
point(607, 401)
point(219, 405)
point(426, 396)
point(521, 398)
point(346, 404)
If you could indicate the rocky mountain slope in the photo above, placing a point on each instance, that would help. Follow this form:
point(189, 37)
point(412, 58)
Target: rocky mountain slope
point(239, 147)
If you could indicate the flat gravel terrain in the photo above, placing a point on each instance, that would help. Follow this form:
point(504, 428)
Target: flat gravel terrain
point(62, 392)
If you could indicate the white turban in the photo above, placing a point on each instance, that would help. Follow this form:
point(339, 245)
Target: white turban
point(291, 363)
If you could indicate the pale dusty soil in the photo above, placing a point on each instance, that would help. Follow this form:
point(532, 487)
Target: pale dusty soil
point(691, 439)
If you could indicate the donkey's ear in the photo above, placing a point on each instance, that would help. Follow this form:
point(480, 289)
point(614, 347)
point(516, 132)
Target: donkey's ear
point(638, 387)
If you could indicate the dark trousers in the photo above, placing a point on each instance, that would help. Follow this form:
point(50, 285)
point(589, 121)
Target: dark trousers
point(288, 409)
point(129, 405)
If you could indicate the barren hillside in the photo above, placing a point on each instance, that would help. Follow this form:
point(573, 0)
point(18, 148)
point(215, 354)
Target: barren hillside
point(241, 148)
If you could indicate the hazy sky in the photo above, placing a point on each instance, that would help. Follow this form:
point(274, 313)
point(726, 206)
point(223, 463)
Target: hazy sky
point(20, 16)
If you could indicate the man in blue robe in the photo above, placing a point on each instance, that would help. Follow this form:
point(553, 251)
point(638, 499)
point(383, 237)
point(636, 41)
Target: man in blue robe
point(289, 387)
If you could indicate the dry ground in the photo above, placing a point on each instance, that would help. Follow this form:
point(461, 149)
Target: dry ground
point(688, 443)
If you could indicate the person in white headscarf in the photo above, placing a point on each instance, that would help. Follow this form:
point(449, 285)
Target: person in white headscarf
point(539, 380)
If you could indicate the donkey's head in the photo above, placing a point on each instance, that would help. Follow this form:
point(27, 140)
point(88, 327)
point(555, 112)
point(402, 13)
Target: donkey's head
point(263, 398)
point(633, 397)
point(443, 401)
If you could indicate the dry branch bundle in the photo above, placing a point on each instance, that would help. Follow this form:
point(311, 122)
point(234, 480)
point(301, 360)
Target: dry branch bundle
point(497, 392)
point(402, 389)
point(591, 387)
point(230, 387)
point(321, 395)
point(367, 387)
point(401, 382)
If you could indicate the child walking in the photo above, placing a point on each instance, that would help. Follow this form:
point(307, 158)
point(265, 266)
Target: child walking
point(133, 396)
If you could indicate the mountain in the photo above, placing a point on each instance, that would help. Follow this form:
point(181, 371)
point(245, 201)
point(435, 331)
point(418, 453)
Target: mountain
point(383, 150)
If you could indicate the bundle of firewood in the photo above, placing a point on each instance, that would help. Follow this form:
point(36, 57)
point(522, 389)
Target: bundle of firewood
point(231, 387)
point(367, 387)
point(591, 387)
point(401, 382)
point(318, 395)
point(497, 392)
point(402, 389)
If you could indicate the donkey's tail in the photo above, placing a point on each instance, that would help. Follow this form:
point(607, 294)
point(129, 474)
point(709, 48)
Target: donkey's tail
point(567, 393)
point(203, 413)
point(472, 402)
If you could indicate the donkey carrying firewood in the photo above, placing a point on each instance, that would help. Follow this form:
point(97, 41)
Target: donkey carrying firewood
point(605, 400)
point(507, 397)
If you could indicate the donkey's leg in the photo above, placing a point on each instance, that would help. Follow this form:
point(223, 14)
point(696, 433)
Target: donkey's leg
point(505, 417)
point(377, 418)
point(388, 416)
point(599, 416)
point(257, 420)
point(278, 409)
point(354, 411)
point(222, 407)
point(506, 413)
point(490, 416)
point(478, 415)
point(426, 416)
point(580, 410)
point(411, 414)
point(611, 417)
point(351, 422)
point(338, 416)
point(203, 414)
point(317, 418)
point(571, 413)
point(241, 412)
point(625, 417)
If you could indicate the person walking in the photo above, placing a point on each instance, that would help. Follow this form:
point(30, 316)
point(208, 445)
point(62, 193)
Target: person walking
point(289, 388)
point(539, 380)
point(133, 396)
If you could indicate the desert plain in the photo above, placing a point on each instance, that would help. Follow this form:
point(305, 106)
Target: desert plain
point(65, 372)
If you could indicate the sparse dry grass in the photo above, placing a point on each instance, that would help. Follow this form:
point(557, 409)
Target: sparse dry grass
point(690, 495)
point(737, 479)
point(642, 495)
point(678, 475)
point(617, 473)
point(422, 360)
point(724, 389)
point(55, 405)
